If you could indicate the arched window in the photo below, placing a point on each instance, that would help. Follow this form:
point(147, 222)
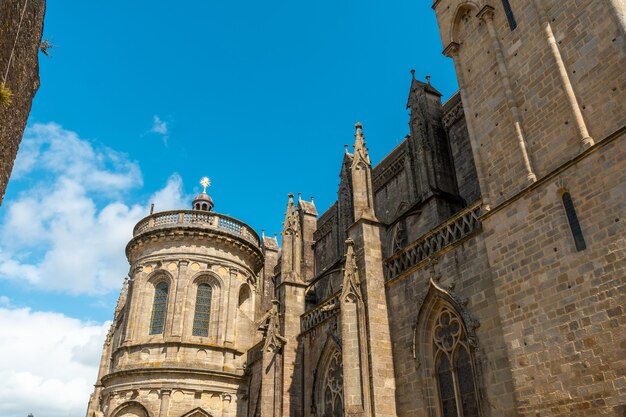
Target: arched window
point(159, 308)
point(453, 367)
point(203, 311)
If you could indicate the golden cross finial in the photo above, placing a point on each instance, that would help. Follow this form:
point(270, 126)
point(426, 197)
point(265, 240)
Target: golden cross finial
point(206, 183)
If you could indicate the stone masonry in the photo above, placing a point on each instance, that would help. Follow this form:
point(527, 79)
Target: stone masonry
point(478, 270)
point(21, 27)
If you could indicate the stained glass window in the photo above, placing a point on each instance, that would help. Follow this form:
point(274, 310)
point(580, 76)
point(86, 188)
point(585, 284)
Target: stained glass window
point(574, 225)
point(159, 308)
point(453, 367)
point(203, 311)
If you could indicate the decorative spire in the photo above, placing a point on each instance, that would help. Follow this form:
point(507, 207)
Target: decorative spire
point(271, 324)
point(413, 73)
point(290, 216)
point(359, 144)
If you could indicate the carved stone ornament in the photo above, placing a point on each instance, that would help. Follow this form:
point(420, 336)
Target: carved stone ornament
point(292, 222)
point(274, 341)
point(351, 288)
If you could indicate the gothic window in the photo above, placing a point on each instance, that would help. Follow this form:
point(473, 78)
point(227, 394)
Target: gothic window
point(159, 308)
point(453, 367)
point(509, 14)
point(572, 218)
point(333, 387)
point(203, 310)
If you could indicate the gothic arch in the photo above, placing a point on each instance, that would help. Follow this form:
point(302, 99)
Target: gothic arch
point(130, 409)
point(446, 352)
point(328, 380)
point(460, 12)
point(197, 412)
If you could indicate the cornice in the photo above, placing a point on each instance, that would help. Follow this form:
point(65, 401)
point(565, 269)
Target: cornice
point(193, 235)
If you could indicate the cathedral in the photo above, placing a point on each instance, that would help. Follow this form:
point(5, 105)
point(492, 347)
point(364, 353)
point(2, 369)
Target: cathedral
point(478, 270)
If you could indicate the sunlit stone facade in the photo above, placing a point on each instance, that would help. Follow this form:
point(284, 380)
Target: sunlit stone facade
point(476, 271)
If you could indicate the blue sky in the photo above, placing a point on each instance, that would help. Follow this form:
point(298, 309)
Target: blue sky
point(141, 99)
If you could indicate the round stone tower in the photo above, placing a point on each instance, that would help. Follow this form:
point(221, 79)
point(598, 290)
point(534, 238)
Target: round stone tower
point(185, 318)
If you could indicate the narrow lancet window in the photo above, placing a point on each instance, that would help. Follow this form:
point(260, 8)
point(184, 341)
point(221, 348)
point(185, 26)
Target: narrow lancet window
point(572, 218)
point(509, 14)
point(203, 311)
point(159, 308)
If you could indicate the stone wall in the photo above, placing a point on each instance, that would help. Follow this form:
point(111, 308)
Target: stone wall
point(538, 93)
point(22, 77)
point(562, 309)
point(462, 271)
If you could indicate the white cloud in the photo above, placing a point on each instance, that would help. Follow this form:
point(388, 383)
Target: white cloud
point(159, 127)
point(50, 363)
point(68, 229)
point(51, 148)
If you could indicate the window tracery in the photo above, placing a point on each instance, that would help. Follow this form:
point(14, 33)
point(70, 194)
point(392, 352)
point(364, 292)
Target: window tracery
point(159, 308)
point(333, 387)
point(453, 367)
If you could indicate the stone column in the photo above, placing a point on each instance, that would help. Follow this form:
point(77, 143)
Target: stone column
point(179, 300)
point(134, 298)
point(230, 305)
point(585, 140)
point(165, 402)
point(486, 14)
point(226, 401)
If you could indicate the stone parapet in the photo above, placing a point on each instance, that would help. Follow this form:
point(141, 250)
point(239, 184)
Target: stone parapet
point(457, 227)
point(211, 220)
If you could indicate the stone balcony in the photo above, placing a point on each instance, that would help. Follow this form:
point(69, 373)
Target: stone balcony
point(197, 219)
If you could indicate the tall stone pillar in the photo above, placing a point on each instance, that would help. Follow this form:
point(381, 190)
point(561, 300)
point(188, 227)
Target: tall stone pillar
point(271, 369)
point(181, 284)
point(365, 233)
point(290, 292)
point(353, 344)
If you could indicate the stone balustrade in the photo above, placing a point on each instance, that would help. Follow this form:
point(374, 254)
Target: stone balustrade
point(195, 218)
point(462, 224)
point(321, 312)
